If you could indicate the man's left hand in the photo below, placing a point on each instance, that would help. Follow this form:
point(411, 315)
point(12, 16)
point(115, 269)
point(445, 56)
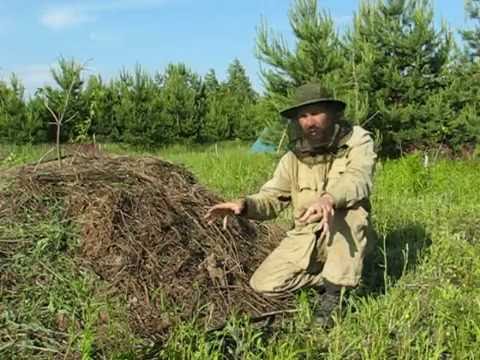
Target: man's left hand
point(322, 210)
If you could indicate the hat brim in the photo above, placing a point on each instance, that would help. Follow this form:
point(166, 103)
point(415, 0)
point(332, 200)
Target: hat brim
point(291, 112)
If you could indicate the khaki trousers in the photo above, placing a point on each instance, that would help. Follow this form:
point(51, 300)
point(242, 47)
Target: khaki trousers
point(306, 256)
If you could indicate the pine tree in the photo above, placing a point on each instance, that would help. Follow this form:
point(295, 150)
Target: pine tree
point(472, 37)
point(12, 111)
point(100, 122)
point(458, 101)
point(230, 107)
point(134, 111)
point(65, 100)
point(36, 118)
point(215, 122)
point(183, 101)
point(217, 125)
point(238, 82)
point(397, 62)
point(386, 68)
point(211, 82)
point(317, 55)
point(241, 97)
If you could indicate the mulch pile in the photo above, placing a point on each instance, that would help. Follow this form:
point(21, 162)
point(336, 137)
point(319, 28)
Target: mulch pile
point(142, 230)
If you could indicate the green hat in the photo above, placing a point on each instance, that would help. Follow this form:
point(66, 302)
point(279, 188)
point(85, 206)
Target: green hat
point(308, 94)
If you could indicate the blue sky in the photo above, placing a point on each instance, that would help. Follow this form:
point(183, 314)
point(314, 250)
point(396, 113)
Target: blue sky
point(112, 35)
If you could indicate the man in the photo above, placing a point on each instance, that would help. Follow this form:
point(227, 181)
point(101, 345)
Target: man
point(327, 178)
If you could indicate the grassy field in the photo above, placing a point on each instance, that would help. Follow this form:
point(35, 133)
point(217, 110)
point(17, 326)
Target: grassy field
point(420, 298)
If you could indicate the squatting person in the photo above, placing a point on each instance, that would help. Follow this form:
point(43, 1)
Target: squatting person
point(327, 178)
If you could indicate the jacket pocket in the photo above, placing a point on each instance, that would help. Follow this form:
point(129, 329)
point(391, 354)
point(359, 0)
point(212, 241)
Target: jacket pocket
point(306, 193)
point(339, 166)
point(307, 184)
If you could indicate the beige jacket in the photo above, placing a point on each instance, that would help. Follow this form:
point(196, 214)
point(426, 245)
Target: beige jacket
point(346, 176)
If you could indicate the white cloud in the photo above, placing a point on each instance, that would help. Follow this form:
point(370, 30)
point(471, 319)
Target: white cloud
point(63, 16)
point(31, 76)
point(34, 76)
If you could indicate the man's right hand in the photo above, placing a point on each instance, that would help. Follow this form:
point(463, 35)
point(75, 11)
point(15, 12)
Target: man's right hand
point(224, 209)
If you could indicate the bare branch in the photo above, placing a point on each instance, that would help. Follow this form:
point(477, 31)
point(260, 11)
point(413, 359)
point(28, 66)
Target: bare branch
point(59, 118)
point(51, 111)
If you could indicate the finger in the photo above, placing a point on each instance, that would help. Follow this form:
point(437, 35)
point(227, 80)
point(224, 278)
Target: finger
point(307, 214)
point(315, 215)
point(225, 222)
point(221, 206)
point(212, 210)
point(210, 215)
point(213, 213)
point(330, 216)
point(322, 226)
point(326, 227)
point(328, 233)
point(326, 213)
point(324, 222)
point(207, 214)
point(328, 222)
point(314, 218)
point(301, 212)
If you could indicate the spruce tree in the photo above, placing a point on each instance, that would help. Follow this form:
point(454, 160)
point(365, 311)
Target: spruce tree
point(210, 81)
point(217, 125)
point(183, 102)
point(215, 122)
point(386, 67)
point(134, 112)
point(241, 99)
point(100, 121)
point(65, 99)
point(472, 36)
point(397, 61)
point(13, 113)
point(458, 101)
point(317, 53)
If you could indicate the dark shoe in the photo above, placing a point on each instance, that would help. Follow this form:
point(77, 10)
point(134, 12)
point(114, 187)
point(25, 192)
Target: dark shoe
point(323, 315)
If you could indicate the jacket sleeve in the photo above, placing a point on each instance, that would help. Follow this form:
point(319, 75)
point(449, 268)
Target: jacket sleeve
point(355, 184)
point(273, 197)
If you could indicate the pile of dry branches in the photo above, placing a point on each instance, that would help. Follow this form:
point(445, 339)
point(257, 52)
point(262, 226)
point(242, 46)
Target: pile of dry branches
point(142, 230)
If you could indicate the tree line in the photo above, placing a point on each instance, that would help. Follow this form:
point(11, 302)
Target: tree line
point(135, 108)
point(412, 83)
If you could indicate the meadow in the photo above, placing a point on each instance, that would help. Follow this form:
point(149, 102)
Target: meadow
point(420, 297)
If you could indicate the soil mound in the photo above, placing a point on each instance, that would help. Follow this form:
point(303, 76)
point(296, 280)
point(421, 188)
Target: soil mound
point(142, 230)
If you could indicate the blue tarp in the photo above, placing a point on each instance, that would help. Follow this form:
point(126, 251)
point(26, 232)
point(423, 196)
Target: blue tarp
point(260, 147)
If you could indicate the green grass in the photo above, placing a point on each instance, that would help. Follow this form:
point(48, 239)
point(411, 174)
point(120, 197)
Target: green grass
point(11, 155)
point(52, 305)
point(228, 168)
point(420, 298)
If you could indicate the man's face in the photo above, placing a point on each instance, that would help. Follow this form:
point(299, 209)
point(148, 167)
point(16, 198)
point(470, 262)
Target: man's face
point(316, 122)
